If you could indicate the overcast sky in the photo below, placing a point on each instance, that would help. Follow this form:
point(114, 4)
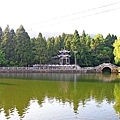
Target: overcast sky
point(93, 16)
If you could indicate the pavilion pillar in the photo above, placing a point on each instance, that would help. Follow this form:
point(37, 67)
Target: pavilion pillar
point(69, 61)
point(66, 60)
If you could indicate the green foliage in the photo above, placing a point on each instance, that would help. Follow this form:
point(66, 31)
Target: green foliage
point(1, 33)
point(50, 49)
point(8, 45)
point(67, 41)
point(3, 61)
point(20, 50)
point(40, 50)
point(117, 98)
point(23, 47)
point(75, 43)
point(116, 52)
point(119, 69)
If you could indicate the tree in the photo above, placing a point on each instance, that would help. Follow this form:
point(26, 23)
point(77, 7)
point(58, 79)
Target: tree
point(8, 45)
point(62, 43)
point(116, 51)
point(97, 45)
point(88, 51)
point(109, 40)
point(2, 58)
point(23, 47)
point(33, 50)
point(41, 52)
point(83, 51)
point(18, 49)
point(50, 48)
point(104, 55)
point(1, 34)
point(68, 40)
point(75, 43)
point(57, 45)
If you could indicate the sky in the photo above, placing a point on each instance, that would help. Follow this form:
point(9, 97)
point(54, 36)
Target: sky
point(57, 16)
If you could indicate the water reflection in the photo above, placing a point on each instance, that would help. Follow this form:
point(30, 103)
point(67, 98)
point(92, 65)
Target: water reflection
point(71, 95)
point(117, 99)
point(61, 76)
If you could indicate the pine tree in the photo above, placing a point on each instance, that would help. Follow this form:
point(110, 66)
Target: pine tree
point(33, 50)
point(23, 47)
point(8, 45)
point(75, 43)
point(41, 52)
point(1, 34)
point(50, 49)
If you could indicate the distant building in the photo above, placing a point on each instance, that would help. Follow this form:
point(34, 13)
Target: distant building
point(63, 58)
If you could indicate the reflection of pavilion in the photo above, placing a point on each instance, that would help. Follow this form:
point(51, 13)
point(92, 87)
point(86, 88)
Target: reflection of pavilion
point(63, 57)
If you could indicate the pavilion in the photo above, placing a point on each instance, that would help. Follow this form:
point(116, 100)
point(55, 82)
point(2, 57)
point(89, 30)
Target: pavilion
point(63, 57)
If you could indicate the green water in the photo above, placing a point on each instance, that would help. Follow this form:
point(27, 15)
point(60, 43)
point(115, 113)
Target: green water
point(59, 96)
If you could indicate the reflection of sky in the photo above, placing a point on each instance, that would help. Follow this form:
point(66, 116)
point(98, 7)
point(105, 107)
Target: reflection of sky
point(52, 109)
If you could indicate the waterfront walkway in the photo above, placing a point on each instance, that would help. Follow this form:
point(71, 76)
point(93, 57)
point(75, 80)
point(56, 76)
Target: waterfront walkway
point(60, 68)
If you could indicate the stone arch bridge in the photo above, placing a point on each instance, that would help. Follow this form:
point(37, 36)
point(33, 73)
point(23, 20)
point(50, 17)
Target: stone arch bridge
point(110, 66)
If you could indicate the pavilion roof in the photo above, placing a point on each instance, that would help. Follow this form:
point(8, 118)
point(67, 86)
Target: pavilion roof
point(64, 51)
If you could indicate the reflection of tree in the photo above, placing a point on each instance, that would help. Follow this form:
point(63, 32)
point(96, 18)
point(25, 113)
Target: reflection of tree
point(117, 98)
point(100, 77)
point(18, 93)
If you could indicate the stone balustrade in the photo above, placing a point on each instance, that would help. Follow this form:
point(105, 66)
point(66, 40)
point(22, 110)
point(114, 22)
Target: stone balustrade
point(60, 68)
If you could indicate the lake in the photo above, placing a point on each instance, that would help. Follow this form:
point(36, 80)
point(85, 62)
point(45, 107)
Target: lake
point(51, 96)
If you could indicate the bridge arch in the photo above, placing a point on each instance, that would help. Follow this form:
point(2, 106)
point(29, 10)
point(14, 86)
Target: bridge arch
point(106, 70)
point(112, 68)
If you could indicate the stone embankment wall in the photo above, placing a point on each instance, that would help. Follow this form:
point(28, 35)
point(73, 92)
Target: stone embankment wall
point(58, 69)
point(44, 69)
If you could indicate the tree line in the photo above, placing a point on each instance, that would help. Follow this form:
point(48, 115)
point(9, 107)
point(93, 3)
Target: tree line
point(18, 49)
